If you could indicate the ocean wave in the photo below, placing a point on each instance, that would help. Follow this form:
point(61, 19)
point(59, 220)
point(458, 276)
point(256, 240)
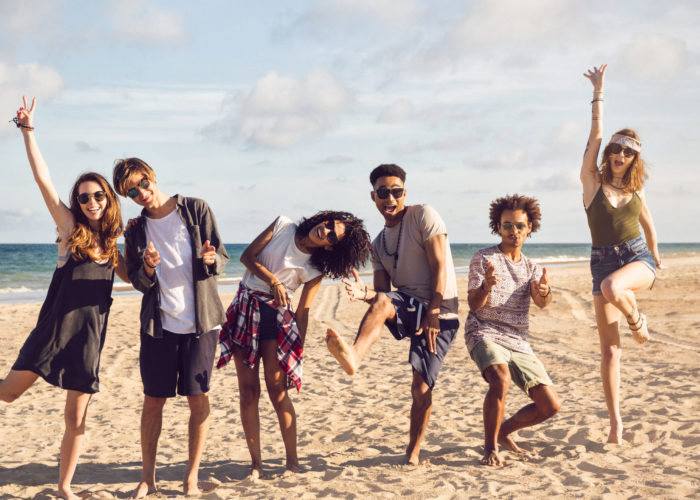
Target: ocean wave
point(20, 289)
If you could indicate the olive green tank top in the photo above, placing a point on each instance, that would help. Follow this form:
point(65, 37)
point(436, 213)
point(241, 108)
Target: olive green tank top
point(611, 226)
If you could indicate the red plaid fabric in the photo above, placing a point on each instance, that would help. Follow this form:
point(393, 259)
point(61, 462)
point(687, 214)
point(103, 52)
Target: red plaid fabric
point(242, 328)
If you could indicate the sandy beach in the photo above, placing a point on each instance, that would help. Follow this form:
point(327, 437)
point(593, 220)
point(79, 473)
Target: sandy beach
point(352, 431)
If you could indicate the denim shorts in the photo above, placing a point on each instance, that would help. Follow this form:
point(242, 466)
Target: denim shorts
point(607, 260)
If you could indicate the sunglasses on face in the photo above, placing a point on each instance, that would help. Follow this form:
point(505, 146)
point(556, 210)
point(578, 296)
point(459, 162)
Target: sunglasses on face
point(616, 148)
point(508, 226)
point(134, 191)
point(332, 237)
point(384, 193)
point(84, 198)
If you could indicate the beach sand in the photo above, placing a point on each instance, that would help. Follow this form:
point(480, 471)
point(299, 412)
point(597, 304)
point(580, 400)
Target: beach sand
point(352, 431)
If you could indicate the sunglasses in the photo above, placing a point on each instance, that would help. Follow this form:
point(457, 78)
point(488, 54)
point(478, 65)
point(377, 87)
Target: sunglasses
point(616, 148)
point(518, 225)
point(332, 236)
point(384, 193)
point(134, 191)
point(84, 198)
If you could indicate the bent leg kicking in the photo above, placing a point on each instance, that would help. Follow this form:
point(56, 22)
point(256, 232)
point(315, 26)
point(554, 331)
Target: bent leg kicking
point(544, 406)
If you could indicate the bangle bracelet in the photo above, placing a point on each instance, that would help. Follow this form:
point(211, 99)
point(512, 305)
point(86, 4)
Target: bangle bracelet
point(274, 284)
point(21, 125)
point(484, 289)
point(549, 290)
point(148, 265)
point(597, 100)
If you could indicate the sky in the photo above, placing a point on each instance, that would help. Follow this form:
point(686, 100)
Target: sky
point(269, 107)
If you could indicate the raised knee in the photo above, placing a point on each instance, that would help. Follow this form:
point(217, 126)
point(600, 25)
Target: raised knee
point(381, 304)
point(611, 289)
point(8, 397)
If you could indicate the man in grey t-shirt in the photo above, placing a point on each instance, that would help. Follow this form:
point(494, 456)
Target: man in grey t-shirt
point(412, 253)
point(501, 283)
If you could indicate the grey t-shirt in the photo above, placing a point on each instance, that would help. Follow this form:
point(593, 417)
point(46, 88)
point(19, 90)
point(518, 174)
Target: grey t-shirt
point(505, 318)
point(410, 272)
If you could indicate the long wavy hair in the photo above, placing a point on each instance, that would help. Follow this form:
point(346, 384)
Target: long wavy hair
point(352, 251)
point(636, 174)
point(515, 202)
point(84, 241)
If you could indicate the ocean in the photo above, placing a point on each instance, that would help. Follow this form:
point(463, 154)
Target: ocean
point(26, 269)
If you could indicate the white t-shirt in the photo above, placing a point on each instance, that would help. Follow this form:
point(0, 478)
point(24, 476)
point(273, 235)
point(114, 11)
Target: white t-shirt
point(177, 304)
point(282, 257)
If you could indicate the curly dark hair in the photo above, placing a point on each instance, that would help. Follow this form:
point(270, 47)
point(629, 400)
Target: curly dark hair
point(515, 202)
point(387, 170)
point(352, 251)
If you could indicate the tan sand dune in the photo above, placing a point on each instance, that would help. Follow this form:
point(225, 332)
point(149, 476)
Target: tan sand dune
point(353, 430)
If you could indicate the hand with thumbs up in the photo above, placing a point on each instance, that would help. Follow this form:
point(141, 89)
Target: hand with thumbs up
point(541, 287)
point(208, 253)
point(151, 258)
point(490, 279)
point(357, 290)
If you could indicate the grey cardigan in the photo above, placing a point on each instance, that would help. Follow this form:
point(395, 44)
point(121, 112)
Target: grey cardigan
point(201, 226)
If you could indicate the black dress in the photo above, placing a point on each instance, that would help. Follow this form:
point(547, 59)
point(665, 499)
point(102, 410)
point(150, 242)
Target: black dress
point(64, 347)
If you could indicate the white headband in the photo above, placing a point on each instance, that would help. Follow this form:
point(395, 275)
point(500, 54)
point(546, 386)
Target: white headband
point(626, 141)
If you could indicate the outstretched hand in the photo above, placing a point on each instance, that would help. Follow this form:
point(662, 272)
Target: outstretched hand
point(541, 287)
point(208, 253)
point(25, 114)
point(597, 77)
point(356, 290)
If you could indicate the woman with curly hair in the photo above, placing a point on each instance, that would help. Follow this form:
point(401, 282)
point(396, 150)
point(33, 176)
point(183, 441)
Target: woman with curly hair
point(621, 262)
point(261, 323)
point(64, 347)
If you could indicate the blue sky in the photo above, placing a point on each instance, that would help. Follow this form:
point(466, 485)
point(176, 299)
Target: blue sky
point(266, 107)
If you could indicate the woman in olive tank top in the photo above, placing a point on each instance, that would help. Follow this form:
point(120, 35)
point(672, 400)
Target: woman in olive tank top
point(64, 347)
point(621, 262)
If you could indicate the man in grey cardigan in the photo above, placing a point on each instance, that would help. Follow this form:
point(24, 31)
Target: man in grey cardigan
point(173, 254)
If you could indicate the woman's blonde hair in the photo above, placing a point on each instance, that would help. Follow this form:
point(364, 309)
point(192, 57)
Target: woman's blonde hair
point(84, 241)
point(636, 174)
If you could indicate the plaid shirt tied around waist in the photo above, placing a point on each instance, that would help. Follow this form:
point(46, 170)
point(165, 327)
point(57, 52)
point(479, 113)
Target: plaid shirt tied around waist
point(242, 328)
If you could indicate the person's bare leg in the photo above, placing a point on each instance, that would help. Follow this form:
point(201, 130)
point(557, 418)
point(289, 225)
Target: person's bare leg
point(198, 429)
point(607, 316)
point(74, 415)
point(498, 377)
point(275, 381)
point(381, 309)
point(249, 394)
point(16, 383)
point(544, 406)
point(421, 406)
point(619, 289)
point(151, 424)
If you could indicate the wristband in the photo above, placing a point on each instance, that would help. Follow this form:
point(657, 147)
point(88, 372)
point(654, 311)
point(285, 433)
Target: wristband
point(365, 297)
point(549, 290)
point(273, 285)
point(148, 265)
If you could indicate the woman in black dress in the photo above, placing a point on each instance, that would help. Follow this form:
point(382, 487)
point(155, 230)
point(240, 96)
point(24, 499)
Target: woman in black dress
point(64, 347)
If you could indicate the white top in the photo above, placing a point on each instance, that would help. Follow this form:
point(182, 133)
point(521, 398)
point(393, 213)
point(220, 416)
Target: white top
point(177, 304)
point(282, 257)
point(505, 318)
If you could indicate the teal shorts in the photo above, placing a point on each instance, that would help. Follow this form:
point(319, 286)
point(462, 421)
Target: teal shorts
point(525, 369)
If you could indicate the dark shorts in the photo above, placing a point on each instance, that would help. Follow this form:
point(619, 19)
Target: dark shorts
point(268, 323)
point(182, 361)
point(607, 260)
point(409, 313)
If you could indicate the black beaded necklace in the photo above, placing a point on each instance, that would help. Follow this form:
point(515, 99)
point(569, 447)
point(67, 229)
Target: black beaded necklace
point(395, 253)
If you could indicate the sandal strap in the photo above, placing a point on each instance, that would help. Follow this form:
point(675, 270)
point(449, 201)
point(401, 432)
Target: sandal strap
point(632, 324)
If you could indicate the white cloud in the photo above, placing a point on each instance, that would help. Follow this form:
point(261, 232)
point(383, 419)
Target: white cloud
point(397, 111)
point(556, 182)
point(25, 79)
point(655, 56)
point(283, 110)
point(359, 12)
point(503, 161)
point(570, 133)
point(144, 21)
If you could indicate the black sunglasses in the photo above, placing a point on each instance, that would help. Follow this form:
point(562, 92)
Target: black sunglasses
point(332, 236)
point(84, 198)
point(507, 226)
point(134, 192)
point(616, 148)
point(384, 193)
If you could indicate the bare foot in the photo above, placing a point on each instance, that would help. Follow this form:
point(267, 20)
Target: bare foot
point(191, 488)
point(412, 456)
point(68, 494)
point(143, 489)
point(340, 351)
point(508, 443)
point(256, 472)
point(615, 436)
point(639, 329)
point(291, 468)
point(492, 459)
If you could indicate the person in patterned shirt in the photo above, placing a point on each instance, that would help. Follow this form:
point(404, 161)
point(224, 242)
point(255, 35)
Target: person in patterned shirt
point(501, 282)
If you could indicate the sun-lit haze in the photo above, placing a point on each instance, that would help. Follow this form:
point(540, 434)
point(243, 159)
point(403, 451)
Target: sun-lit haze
point(272, 107)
